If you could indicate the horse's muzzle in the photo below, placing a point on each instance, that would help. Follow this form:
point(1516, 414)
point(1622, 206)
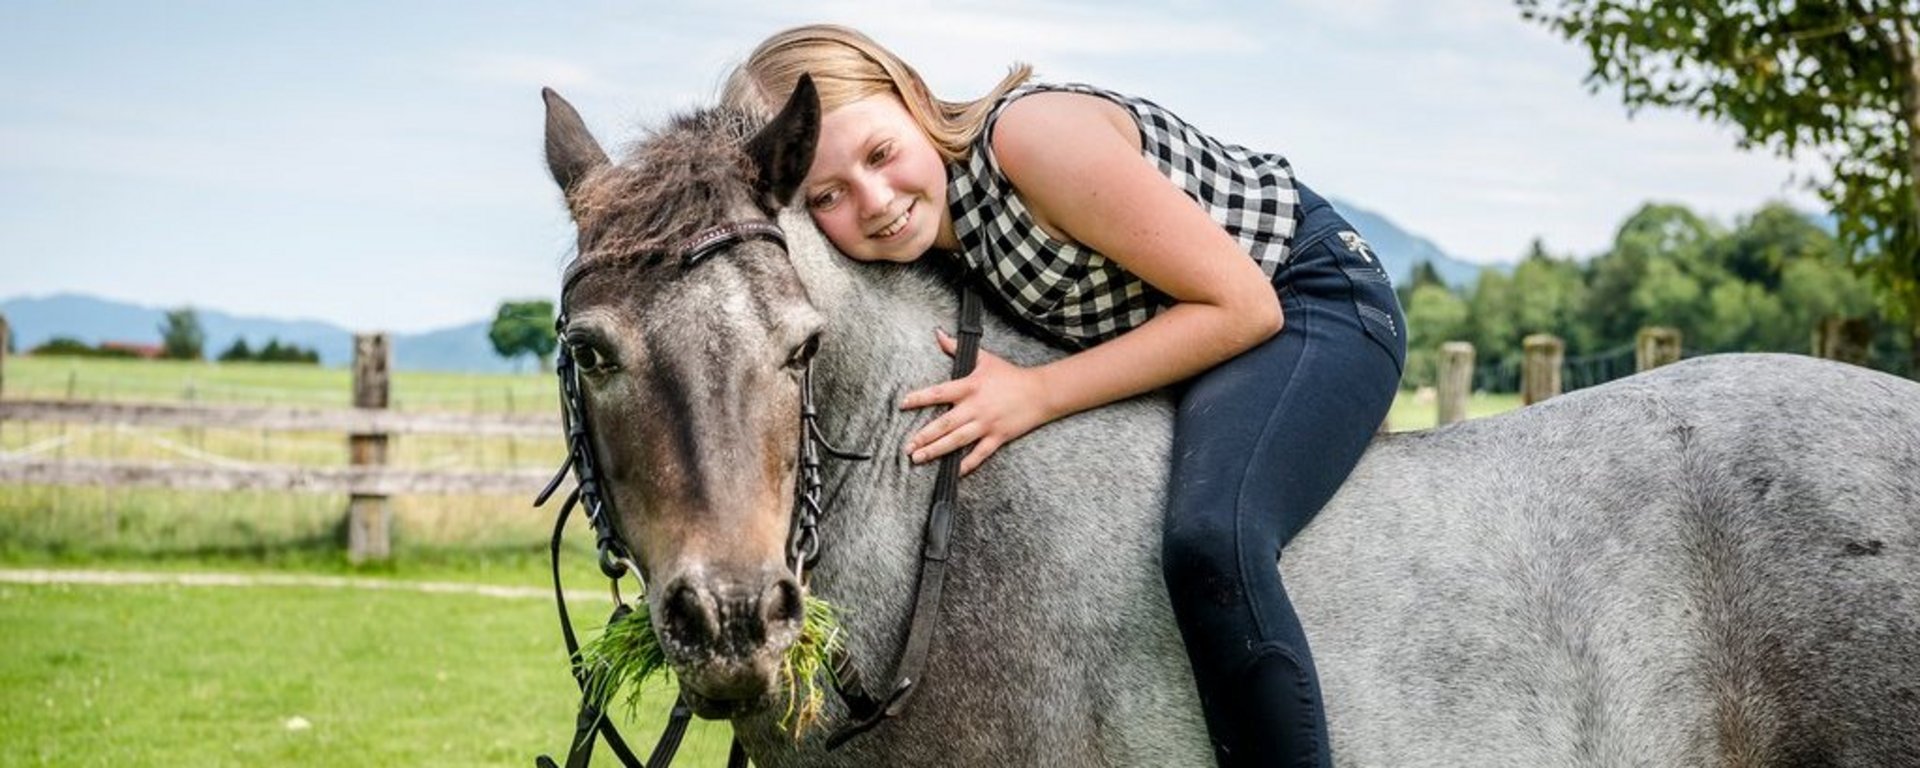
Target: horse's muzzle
point(727, 639)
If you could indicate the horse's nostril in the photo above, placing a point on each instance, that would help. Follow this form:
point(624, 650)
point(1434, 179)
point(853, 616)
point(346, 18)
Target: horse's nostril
point(782, 603)
point(692, 618)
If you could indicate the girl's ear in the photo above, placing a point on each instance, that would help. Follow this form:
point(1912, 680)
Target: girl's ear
point(783, 151)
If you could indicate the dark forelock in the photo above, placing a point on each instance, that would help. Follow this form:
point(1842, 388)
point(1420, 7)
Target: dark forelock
point(675, 181)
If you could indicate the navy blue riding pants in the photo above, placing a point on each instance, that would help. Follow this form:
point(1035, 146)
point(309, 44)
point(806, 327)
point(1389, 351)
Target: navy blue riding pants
point(1261, 442)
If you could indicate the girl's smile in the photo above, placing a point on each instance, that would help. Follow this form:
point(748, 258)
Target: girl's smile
point(898, 225)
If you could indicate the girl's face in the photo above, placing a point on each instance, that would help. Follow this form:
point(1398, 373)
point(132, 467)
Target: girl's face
point(877, 188)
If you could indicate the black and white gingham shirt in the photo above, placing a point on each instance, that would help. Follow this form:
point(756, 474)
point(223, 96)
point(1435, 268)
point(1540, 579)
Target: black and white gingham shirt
point(1073, 293)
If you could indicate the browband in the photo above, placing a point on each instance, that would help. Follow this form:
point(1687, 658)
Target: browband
point(694, 247)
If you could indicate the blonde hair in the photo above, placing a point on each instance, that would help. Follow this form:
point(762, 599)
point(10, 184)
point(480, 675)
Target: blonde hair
point(848, 66)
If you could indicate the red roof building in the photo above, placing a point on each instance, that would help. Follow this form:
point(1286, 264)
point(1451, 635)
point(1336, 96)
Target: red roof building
point(147, 351)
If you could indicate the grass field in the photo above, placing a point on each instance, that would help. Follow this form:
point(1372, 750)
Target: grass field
point(166, 675)
point(214, 676)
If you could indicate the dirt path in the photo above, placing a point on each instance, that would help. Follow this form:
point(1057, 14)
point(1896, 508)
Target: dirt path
point(146, 578)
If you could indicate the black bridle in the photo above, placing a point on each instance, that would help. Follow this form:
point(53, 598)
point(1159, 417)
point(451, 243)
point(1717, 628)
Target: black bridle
point(803, 540)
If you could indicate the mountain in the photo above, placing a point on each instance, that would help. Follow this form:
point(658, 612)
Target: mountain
point(1400, 250)
point(34, 320)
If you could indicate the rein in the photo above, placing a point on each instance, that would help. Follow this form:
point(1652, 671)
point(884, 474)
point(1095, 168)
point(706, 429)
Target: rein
point(803, 543)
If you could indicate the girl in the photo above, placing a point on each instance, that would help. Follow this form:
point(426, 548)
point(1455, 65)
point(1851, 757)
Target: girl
point(1165, 257)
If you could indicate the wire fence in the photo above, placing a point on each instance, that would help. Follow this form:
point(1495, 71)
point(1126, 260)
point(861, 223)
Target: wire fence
point(1597, 368)
point(1579, 372)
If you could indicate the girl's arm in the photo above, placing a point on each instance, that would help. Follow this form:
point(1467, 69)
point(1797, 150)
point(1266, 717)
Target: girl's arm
point(1076, 160)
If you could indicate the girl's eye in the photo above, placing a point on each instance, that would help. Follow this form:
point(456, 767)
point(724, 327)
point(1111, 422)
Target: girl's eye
point(880, 154)
point(824, 200)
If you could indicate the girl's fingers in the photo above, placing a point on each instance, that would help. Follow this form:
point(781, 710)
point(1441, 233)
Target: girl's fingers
point(978, 455)
point(949, 442)
point(940, 426)
point(938, 394)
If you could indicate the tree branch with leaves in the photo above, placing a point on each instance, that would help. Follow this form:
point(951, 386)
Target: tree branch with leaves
point(1836, 80)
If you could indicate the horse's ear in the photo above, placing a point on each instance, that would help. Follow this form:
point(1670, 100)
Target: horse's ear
point(783, 151)
point(572, 152)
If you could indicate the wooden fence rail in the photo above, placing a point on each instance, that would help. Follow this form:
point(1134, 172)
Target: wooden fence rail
point(281, 419)
point(367, 480)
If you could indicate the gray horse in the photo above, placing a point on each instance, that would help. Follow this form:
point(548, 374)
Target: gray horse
point(1716, 563)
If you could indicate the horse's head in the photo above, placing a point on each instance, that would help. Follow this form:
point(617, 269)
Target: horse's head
point(690, 368)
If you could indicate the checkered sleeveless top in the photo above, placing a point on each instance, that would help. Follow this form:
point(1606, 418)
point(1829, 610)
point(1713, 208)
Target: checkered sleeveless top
point(1072, 293)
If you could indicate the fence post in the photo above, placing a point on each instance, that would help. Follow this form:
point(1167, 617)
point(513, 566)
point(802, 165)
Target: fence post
point(1456, 381)
point(1545, 353)
point(369, 518)
point(1654, 347)
point(1846, 339)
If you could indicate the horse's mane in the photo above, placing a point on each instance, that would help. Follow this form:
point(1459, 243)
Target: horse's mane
point(674, 181)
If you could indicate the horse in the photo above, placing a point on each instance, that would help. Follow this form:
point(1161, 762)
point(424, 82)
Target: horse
point(1716, 562)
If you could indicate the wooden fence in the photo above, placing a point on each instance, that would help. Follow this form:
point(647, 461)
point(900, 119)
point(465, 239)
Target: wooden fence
point(369, 426)
point(1544, 358)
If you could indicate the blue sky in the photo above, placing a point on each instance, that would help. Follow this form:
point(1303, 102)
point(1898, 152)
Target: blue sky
point(378, 165)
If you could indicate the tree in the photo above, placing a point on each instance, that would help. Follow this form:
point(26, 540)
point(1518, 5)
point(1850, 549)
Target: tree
point(1493, 325)
point(1424, 273)
point(1435, 315)
point(1549, 295)
point(236, 352)
point(1835, 79)
point(63, 345)
point(524, 328)
point(181, 336)
point(1657, 273)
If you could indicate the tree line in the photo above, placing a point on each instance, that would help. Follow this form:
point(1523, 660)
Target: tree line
point(271, 352)
point(1765, 284)
point(182, 338)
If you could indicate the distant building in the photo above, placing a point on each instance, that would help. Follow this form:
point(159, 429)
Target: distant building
point(145, 351)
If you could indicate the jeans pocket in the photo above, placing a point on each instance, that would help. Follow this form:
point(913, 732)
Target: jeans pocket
point(1372, 290)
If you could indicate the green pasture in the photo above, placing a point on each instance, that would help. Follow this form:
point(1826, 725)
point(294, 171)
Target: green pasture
point(1411, 411)
point(291, 676)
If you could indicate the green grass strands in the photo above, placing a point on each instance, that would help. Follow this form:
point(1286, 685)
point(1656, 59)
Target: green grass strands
point(623, 656)
point(627, 652)
point(806, 659)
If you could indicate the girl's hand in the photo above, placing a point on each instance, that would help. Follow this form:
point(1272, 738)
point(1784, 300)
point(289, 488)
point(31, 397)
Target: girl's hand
point(994, 405)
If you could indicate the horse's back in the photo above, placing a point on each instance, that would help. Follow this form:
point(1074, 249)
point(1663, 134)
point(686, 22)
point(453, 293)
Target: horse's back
point(1715, 562)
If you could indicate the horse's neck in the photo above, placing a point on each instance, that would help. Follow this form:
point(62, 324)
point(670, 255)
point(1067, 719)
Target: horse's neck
point(879, 346)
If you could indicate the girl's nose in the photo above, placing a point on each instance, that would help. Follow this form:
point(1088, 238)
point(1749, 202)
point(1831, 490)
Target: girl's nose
point(872, 196)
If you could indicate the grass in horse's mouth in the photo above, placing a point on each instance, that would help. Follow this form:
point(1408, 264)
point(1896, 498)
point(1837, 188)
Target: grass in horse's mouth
point(627, 652)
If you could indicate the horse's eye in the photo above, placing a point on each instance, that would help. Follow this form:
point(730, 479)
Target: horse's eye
point(586, 357)
point(803, 354)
